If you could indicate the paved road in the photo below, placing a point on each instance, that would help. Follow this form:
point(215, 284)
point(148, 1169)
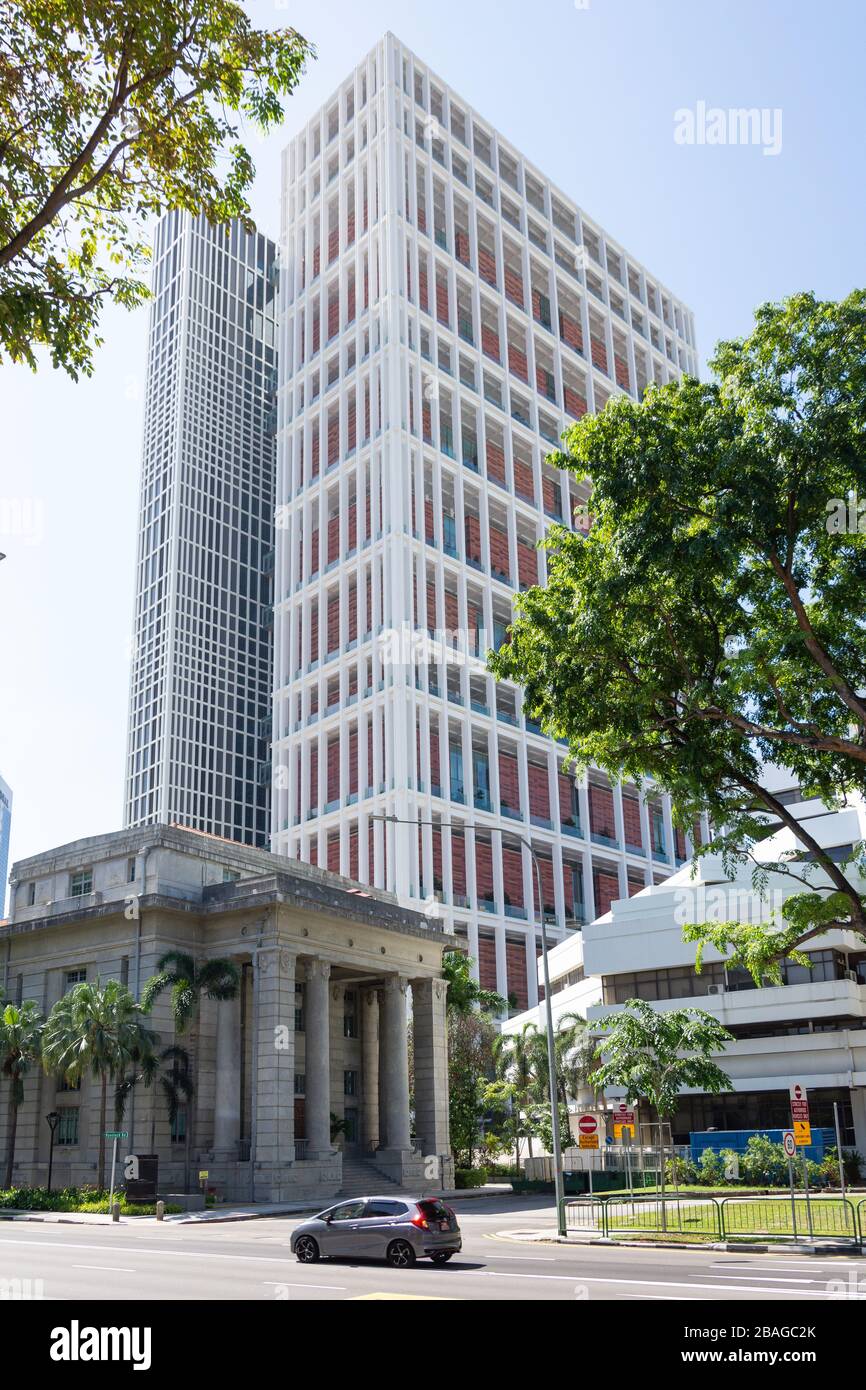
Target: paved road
point(251, 1260)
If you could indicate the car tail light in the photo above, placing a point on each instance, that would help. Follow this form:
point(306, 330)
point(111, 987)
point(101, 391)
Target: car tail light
point(419, 1219)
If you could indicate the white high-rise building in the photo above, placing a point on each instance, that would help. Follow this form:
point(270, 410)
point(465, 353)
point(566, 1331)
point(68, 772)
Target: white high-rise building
point(445, 313)
point(200, 691)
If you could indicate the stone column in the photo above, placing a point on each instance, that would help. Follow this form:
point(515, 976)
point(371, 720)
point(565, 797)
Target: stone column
point(337, 1053)
point(393, 1067)
point(369, 1002)
point(227, 1097)
point(318, 1064)
point(431, 1066)
point(273, 1068)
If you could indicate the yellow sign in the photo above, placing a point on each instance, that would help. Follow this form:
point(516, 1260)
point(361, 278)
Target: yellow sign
point(618, 1131)
point(802, 1133)
point(588, 1141)
point(203, 1175)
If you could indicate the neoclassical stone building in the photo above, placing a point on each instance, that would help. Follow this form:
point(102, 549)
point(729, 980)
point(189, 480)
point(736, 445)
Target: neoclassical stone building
point(304, 1085)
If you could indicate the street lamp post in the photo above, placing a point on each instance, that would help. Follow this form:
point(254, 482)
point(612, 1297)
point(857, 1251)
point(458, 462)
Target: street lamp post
point(551, 1051)
point(53, 1120)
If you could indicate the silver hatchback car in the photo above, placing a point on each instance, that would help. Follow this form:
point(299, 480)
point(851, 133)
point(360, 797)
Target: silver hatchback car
point(397, 1229)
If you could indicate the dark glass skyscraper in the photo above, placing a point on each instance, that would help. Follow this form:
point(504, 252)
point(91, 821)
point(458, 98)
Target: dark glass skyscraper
point(200, 695)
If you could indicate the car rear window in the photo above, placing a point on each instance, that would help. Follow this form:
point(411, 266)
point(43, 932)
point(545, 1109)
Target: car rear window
point(437, 1210)
point(386, 1209)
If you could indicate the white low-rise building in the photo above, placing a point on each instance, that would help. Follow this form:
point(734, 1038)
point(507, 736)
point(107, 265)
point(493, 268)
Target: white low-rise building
point(810, 1029)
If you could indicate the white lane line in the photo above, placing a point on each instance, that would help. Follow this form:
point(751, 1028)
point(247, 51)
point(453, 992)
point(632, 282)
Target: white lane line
point(770, 1278)
point(529, 1259)
point(174, 1254)
point(114, 1269)
point(583, 1278)
point(284, 1284)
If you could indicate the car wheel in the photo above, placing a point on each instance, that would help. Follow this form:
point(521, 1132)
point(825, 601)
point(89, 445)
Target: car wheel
point(307, 1250)
point(400, 1254)
point(442, 1258)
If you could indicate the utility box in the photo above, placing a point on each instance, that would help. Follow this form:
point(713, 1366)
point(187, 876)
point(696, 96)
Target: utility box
point(144, 1187)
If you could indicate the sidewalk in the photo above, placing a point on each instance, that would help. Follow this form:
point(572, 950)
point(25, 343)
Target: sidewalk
point(237, 1211)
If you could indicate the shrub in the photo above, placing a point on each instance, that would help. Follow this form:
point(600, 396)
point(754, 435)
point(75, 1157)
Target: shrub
point(81, 1199)
point(764, 1163)
point(470, 1177)
point(680, 1170)
point(711, 1168)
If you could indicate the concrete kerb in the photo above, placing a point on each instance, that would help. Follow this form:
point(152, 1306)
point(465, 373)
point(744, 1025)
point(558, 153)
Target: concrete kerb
point(215, 1215)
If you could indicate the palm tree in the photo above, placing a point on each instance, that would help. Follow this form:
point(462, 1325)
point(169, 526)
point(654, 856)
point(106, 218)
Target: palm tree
point(189, 981)
point(100, 1029)
point(170, 1068)
point(21, 1028)
point(514, 1056)
point(464, 993)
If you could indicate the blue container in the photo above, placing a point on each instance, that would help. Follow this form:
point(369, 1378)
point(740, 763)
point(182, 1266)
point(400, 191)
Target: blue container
point(737, 1139)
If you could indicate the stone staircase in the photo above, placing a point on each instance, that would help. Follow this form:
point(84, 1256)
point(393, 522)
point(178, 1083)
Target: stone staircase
point(361, 1178)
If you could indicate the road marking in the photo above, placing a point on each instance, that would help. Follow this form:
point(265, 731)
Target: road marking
point(116, 1269)
point(583, 1278)
point(286, 1284)
point(770, 1278)
point(530, 1259)
point(183, 1254)
point(426, 1297)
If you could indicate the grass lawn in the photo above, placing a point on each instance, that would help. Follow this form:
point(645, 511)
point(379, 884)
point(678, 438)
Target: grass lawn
point(697, 1218)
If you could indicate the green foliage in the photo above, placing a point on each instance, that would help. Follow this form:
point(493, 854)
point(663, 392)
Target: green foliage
point(465, 993)
point(21, 1027)
point(652, 1054)
point(713, 617)
point(98, 1029)
point(470, 1177)
point(80, 1199)
point(110, 114)
point(470, 1064)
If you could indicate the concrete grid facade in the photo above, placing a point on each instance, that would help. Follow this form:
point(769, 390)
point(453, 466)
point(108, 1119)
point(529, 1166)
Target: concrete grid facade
point(445, 314)
point(200, 691)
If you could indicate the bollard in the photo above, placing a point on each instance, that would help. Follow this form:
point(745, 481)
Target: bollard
point(115, 1211)
point(160, 1210)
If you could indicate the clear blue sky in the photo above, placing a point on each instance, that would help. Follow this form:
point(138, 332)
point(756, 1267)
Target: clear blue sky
point(589, 95)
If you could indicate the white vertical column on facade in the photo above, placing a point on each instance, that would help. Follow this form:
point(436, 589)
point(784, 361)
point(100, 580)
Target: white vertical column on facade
point(619, 827)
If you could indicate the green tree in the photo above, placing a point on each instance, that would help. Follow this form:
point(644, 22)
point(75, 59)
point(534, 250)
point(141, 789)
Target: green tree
point(517, 1083)
point(189, 981)
point(470, 1069)
point(109, 114)
point(21, 1027)
point(170, 1070)
point(97, 1029)
point(464, 994)
point(713, 617)
point(652, 1054)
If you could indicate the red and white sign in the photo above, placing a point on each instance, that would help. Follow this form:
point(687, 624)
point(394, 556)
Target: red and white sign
point(799, 1103)
point(588, 1124)
point(623, 1115)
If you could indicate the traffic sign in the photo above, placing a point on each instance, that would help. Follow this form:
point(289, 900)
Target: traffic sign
point(588, 1141)
point(789, 1143)
point(623, 1119)
point(588, 1124)
point(117, 1134)
point(203, 1175)
point(802, 1133)
point(799, 1103)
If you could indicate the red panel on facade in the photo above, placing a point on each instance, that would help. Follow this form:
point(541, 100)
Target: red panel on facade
point(631, 821)
point(495, 462)
point(515, 965)
point(490, 342)
point(527, 564)
point(539, 792)
point(487, 962)
point(512, 877)
point(524, 483)
point(499, 562)
point(487, 265)
point(509, 783)
point(517, 362)
point(601, 817)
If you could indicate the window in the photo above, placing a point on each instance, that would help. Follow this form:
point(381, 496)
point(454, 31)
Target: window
point(67, 1130)
point(65, 1087)
point(299, 1008)
point(300, 1083)
point(350, 1083)
point(381, 1207)
point(130, 869)
point(346, 1211)
point(75, 977)
point(178, 1127)
point(81, 883)
point(31, 894)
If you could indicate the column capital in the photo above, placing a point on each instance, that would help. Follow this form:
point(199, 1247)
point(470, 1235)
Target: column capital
point(437, 989)
point(317, 969)
point(392, 983)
